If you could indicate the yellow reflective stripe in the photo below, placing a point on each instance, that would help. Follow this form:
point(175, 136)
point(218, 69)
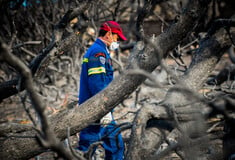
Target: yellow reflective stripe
point(85, 60)
point(96, 70)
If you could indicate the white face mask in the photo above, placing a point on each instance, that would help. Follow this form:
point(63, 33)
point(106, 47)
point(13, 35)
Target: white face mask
point(113, 46)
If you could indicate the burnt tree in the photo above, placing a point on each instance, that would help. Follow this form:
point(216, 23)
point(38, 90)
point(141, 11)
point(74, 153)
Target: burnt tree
point(179, 123)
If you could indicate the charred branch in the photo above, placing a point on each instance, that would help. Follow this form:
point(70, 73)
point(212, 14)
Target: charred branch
point(46, 135)
point(225, 74)
point(207, 56)
point(220, 23)
point(178, 107)
point(143, 13)
point(99, 105)
point(54, 49)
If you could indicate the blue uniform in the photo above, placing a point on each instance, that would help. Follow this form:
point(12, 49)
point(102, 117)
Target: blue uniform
point(96, 74)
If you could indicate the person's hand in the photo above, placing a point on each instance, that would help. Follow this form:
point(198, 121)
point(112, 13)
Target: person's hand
point(106, 119)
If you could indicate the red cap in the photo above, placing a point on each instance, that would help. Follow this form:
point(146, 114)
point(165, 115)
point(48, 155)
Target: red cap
point(114, 27)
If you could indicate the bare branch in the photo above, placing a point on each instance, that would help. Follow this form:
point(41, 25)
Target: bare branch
point(46, 137)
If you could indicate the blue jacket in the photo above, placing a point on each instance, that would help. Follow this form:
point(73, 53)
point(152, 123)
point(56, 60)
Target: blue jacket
point(97, 71)
point(96, 74)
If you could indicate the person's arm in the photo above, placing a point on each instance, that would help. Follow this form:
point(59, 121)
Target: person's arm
point(97, 73)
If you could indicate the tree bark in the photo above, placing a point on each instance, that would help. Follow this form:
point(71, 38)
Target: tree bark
point(205, 59)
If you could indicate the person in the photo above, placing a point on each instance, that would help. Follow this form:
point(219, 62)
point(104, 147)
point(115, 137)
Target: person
point(96, 74)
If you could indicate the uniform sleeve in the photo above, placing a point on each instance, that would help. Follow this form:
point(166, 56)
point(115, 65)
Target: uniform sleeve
point(97, 73)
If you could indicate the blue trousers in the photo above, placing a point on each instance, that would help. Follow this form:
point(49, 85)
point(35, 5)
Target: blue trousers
point(112, 140)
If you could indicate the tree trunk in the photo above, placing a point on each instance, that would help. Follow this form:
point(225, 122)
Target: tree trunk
point(204, 62)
